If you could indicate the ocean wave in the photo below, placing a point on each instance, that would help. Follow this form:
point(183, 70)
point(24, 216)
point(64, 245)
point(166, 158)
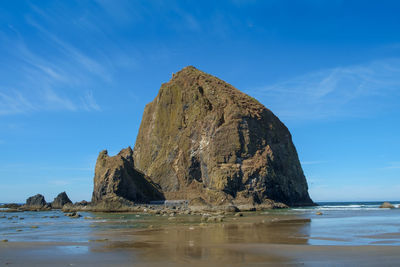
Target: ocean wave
point(353, 207)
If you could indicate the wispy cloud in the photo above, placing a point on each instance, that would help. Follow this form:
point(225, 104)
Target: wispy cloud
point(88, 102)
point(58, 77)
point(351, 91)
point(14, 102)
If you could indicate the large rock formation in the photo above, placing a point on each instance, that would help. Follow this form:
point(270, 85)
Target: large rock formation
point(116, 181)
point(36, 202)
point(203, 139)
point(60, 201)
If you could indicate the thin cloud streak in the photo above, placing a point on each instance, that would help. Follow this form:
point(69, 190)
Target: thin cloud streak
point(353, 91)
point(14, 103)
point(45, 83)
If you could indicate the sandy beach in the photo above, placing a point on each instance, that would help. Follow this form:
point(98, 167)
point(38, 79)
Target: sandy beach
point(153, 253)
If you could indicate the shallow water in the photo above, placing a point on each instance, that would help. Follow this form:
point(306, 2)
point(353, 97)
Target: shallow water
point(340, 224)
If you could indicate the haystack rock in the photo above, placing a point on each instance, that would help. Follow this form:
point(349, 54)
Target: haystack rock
point(202, 139)
point(60, 201)
point(117, 180)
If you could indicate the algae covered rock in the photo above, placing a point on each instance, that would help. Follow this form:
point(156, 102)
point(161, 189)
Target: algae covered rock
point(117, 180)
point(60, 201)
point(202, 138)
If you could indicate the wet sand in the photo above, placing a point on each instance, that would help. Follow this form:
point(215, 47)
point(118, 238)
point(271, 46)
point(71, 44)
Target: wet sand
point(148, 254)
point(246, 241)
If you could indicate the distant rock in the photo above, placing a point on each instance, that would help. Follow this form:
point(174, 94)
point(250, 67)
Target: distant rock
point(60, 201)
point(387, 205)
point(116, 180)
point(36, 202)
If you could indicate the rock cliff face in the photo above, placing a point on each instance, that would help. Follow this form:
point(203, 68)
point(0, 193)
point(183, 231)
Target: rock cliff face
point(203, 139)
point(117, 180)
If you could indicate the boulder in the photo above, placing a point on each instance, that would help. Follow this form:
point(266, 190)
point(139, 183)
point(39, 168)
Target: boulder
point(36, 201)
point(202, 139)
point(82, 203)
point(60, 201)
point(386, 205)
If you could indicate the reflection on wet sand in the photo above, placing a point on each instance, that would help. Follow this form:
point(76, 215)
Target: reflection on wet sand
point(211, 243)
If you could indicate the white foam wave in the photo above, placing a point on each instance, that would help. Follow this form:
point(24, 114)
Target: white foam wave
point(353, 207)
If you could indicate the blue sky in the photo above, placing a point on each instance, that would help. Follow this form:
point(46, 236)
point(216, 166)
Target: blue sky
point(75, 77)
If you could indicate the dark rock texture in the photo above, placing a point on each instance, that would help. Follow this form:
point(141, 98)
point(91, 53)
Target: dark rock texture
point(36, 201)
point(60, 201)
point(116, 180)
point(203, 139)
